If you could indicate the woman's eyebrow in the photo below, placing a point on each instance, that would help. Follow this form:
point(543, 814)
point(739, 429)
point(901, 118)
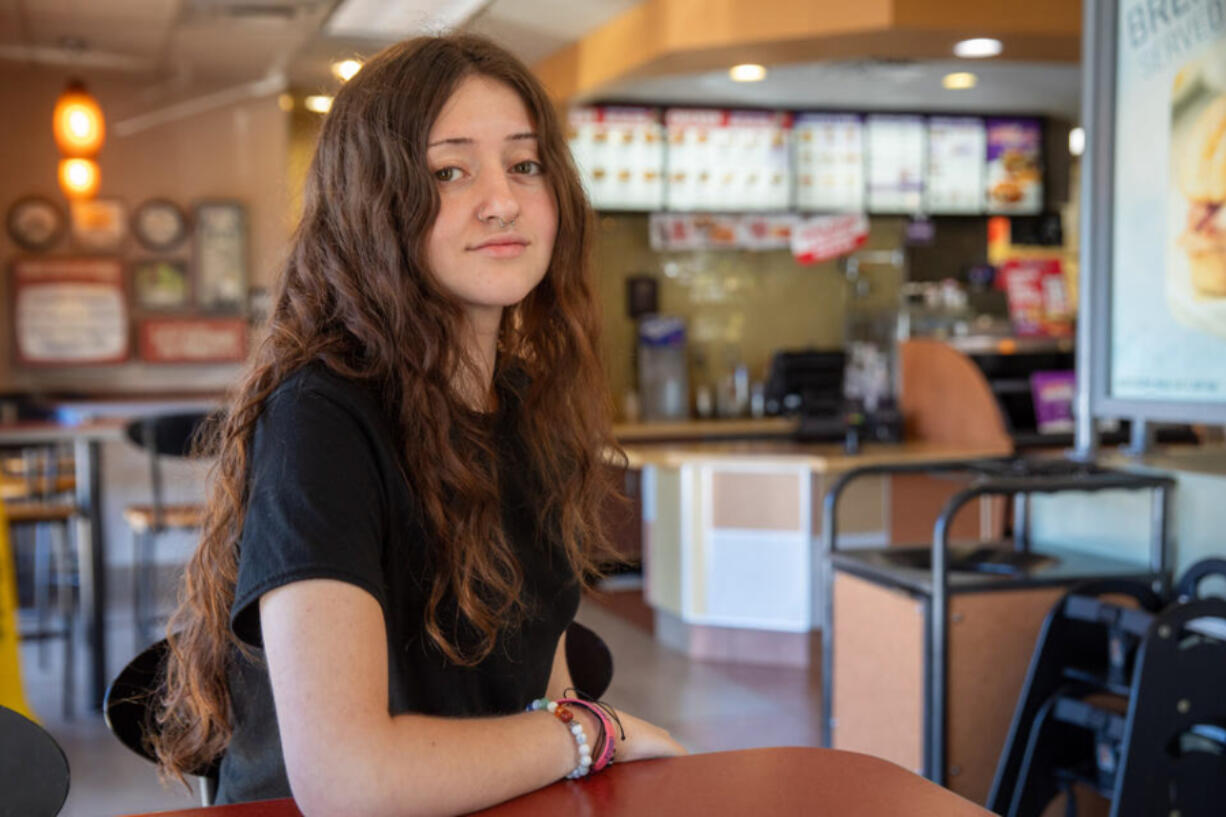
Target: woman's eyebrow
point(465, 140)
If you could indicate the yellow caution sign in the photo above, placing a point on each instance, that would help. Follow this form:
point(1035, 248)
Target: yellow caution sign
point(12, 694)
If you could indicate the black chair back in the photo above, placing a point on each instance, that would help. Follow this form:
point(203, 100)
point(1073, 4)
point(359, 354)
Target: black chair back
point(167, 435)
point(128, 705)
point(33, 769)
point(589, 661)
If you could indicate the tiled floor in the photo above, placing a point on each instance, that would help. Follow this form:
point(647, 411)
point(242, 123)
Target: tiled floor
point(708, 707)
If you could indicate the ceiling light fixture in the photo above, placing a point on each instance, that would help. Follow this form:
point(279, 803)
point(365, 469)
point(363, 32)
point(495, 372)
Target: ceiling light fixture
point(79, 178)
point(1077, 141)
point(345, 69)
point(318, 103)
point(978, 48)
point(77, 122)
point(747, 72)
point(959, 81)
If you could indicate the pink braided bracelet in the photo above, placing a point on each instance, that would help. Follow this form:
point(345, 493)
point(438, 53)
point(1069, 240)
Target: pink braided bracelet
point(606, 751)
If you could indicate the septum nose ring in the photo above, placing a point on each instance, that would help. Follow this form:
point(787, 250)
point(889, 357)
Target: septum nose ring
point(502, 223)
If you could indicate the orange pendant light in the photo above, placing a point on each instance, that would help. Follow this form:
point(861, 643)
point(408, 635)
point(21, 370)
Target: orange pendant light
point(77, 123)
point(79, 178)
point(79, 130)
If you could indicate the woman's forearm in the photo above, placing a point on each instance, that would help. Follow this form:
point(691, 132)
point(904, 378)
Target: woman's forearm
point(420, 765)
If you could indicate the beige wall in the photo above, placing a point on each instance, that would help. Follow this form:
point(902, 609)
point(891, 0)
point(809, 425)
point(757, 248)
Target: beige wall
point(747, 303)
point(238, 151)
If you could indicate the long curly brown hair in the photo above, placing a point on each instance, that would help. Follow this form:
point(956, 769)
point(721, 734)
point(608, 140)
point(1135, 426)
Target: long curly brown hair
point(356, 295)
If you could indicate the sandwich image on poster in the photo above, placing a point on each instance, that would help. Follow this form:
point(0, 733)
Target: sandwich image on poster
point(1196, 219)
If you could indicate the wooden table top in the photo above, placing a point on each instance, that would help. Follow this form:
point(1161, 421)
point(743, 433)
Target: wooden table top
point(45, 431)
point(761, 782)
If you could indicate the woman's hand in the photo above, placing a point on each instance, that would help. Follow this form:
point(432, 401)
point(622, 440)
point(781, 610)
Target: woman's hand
point(643, 740)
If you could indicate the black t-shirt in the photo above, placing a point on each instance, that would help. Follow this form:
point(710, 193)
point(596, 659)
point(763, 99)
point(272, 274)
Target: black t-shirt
point(328, 499)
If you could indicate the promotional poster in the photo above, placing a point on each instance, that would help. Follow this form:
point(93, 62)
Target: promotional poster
point(1168, 286)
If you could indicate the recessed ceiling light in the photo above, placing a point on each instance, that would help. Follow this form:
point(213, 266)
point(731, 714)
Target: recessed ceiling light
point(959, 80)
point(318, 103)
point(747, 72)
point(1077, 141)
point(978, 48)
point(345, 69)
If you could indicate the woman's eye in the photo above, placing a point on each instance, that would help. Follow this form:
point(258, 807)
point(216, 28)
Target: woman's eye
point(528, 167)
point(447, 174)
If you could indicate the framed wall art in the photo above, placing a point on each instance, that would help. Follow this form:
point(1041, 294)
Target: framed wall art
point(221, 256)
point(36, 223)
point(69, 311)
point(159, 283)
point(159, 225)
point(193, 340)
point(99, 225)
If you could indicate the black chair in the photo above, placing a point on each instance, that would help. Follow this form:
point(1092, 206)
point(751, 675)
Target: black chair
point(128, 711)
point(33, 769)
point(166, 435)
point(589, 661)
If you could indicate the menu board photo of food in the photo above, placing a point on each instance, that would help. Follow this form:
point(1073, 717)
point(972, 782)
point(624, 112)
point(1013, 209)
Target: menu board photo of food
point(895, 163)
point(1014, 173)
point(728, 160)
point(829, 151)
point(619, 151)
point(956, 150)
point(1168, 282)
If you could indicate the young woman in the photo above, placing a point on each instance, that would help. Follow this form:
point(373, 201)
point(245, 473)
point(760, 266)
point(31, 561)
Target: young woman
point(406, 499)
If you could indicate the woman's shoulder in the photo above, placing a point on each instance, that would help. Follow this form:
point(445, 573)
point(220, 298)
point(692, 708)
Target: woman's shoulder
point(316, 390)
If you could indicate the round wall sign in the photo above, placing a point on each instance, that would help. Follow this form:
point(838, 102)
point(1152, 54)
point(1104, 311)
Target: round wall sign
point(36, 223)
point(159, 224)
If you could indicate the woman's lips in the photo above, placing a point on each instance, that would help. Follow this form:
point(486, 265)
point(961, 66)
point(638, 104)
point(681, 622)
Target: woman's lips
point(501, 248)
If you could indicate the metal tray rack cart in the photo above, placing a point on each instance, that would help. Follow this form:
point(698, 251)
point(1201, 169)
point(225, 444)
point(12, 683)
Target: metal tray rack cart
point(937, 575)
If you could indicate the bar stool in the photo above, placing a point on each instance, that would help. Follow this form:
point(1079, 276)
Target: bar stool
point(167, 435)
point(33, 769)
point(38, 499)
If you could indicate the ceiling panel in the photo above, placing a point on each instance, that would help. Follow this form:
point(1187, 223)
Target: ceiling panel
point(1003, 87)
point(529, 43)
point(564, 20)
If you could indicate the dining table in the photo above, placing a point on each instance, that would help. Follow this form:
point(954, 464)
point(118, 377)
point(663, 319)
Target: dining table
point(86, 438)
point(758, 782)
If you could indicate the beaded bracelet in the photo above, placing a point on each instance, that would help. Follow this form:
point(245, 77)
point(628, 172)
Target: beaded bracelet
point(576, 730)
point(608, 746)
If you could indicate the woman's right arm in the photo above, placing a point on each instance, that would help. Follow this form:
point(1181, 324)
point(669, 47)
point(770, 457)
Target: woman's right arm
point(326, 648)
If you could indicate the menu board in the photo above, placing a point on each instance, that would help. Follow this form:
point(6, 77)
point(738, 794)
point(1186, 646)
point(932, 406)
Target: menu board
point(735, 161)
point(895, 163)
point(620, 155)
point(1168, 250)
point(1014, 170)
point(69, 311)
point(721, 160)
point(829, 151)
point(956, 150)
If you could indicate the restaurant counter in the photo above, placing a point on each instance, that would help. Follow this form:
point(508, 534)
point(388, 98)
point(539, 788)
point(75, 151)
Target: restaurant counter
point(732, 534)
